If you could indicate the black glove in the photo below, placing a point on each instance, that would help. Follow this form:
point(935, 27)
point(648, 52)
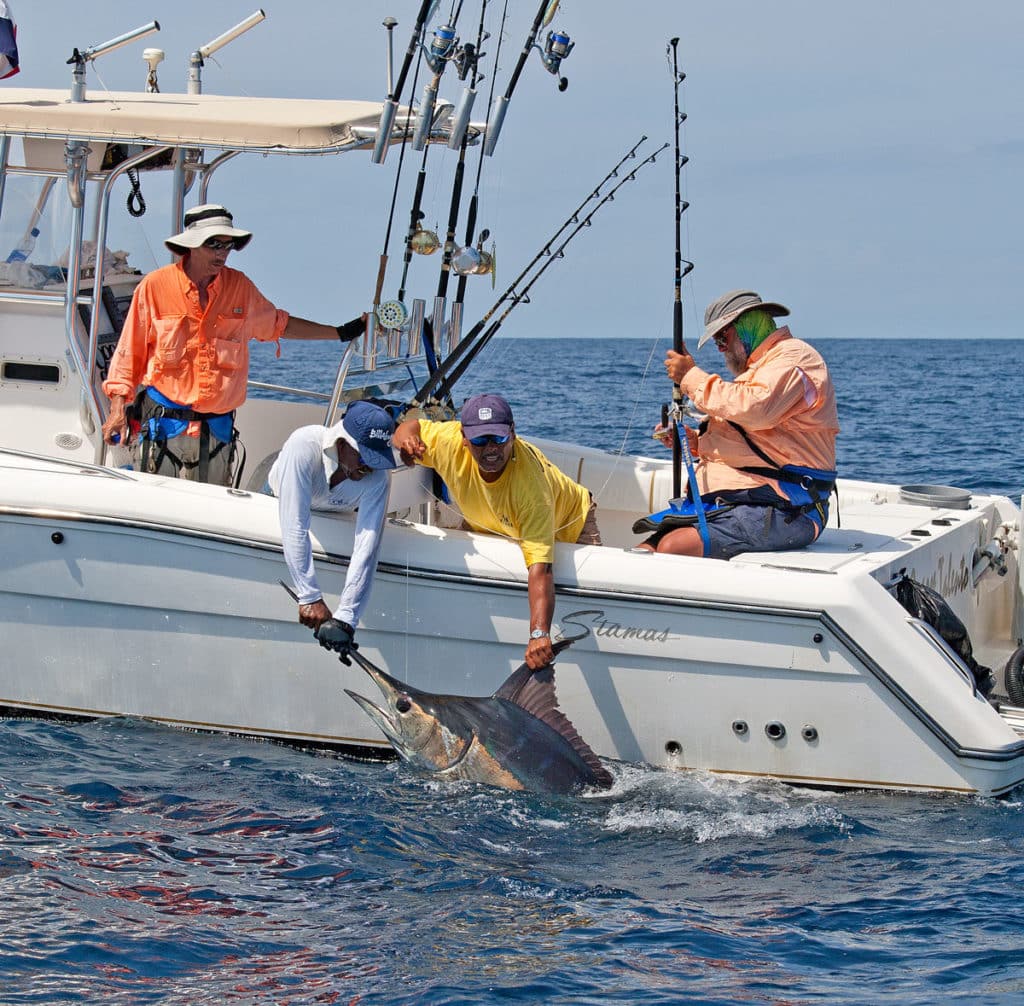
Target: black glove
point(336, 635)
point(351, 329)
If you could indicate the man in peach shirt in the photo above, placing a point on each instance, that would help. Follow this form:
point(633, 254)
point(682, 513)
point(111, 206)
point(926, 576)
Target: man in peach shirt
point(766, 452)
point(186, 342)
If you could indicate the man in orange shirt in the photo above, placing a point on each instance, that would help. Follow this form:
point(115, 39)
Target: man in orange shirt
point(186, 342)
point(767, 448)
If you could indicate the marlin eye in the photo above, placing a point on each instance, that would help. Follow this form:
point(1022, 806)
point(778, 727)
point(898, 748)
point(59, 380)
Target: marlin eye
point(403, 704)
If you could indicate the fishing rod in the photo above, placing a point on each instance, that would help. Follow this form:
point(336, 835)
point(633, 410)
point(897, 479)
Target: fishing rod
point(448, 380)
point(387, 115)
point(469, 65)
point(557, 47)
point(465, 343)
point(469, 259)
point(681, 453)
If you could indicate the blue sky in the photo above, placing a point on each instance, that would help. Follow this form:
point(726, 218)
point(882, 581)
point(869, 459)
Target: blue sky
point(861, 163)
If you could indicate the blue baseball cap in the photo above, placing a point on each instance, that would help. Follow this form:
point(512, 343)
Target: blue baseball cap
point(486, 414)
point(371, 428)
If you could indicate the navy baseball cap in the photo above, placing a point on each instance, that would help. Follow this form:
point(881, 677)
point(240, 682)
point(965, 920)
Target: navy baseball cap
point(371, 428)
point(486, 414)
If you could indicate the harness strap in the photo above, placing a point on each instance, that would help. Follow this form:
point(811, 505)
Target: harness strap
point(813, 485)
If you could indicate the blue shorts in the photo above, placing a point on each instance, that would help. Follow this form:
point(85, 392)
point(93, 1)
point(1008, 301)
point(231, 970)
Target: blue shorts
point(758, 529)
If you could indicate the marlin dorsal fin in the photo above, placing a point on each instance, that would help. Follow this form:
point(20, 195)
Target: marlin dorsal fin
point(534, 692)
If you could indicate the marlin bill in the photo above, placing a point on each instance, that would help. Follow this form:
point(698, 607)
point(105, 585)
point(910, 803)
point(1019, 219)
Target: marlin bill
point(516, 738)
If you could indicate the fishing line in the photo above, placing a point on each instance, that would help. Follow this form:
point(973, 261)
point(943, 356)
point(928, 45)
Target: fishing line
point(451, 369)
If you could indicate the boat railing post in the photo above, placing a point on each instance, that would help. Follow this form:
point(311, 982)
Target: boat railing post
point(5, 152)
point(339, 381)
point(103, 216)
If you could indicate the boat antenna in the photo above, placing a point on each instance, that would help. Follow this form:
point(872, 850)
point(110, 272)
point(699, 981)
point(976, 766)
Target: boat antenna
point(444, 378)
point(681, 453)
point(387, 115)
point(556, 48)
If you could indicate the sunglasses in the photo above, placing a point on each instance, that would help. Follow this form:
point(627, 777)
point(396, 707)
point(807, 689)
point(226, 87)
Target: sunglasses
point(219, 244)
point(490, 438)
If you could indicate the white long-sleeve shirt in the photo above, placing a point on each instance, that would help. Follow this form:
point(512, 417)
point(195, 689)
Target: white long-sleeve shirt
point(300, 479)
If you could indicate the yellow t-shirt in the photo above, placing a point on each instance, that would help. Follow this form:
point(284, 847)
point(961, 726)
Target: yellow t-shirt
point(532, 501)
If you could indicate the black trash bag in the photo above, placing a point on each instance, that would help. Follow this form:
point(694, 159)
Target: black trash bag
point(930, 606)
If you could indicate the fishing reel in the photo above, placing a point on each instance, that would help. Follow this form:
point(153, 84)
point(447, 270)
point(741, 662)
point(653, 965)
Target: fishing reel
point(443, 47)
point(392, 315)
point(556, 48)
point(470, 261)
point(424, 242)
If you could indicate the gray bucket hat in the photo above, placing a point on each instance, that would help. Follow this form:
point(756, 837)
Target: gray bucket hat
point(723, 312)
point(207, 221)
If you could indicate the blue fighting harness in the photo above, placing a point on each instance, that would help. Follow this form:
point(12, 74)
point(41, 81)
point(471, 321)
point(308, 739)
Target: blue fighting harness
point(806, 493)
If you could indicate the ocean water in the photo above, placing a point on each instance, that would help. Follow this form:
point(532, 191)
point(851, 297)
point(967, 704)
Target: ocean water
point(141, 864)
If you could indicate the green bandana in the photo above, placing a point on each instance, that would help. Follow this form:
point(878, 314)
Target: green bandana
point(753, 327)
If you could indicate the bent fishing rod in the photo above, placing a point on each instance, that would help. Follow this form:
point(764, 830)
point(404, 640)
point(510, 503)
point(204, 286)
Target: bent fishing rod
point(464, 345)
point(681, 453)
point(448, 381)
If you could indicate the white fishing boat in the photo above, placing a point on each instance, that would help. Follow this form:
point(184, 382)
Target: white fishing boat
point(126, 594)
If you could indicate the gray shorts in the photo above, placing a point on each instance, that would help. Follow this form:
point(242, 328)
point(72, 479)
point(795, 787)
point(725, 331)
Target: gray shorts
point(758, 529)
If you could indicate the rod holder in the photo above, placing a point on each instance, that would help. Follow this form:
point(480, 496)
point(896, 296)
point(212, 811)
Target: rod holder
point(79, 58)
point(199, 57)
point(460, 119)
point(387, 118)
point(494, 126)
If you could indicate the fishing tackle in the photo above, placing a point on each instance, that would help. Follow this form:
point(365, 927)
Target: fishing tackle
point(452, 368)
point(387, 115)
point(557, 48)
point(442, 49)
point(681, 453)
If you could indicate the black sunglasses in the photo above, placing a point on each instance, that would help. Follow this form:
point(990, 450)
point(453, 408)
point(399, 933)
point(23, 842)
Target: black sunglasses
point(219, 244)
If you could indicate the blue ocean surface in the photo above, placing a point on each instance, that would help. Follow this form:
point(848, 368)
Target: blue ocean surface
point(141, 864)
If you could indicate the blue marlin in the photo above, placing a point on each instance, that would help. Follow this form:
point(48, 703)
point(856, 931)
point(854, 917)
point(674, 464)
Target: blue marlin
point(516, 738)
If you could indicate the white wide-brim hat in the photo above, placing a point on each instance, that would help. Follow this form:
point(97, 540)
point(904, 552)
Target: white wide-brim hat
point(204, 222)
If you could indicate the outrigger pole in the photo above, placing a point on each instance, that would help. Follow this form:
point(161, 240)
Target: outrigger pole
point(444, 378)
point(680, 445)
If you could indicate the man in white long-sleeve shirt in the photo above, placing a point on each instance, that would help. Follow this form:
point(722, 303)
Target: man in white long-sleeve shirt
point(339, 467)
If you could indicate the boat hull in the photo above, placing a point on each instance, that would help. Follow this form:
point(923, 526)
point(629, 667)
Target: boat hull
point(120, 607)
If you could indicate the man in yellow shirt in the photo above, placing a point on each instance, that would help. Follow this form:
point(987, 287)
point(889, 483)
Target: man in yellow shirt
point(505, 486)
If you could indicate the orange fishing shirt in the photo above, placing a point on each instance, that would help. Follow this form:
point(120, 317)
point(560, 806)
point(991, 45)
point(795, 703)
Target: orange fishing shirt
point(196, 358)
point(784, 400)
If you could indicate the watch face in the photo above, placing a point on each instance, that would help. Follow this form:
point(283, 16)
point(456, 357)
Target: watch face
point(538, 634)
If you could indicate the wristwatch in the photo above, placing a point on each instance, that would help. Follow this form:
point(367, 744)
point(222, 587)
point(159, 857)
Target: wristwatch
point(540, 634)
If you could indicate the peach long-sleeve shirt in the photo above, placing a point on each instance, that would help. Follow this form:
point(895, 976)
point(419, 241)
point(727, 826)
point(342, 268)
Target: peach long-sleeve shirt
point(196, 358)
point(784, 400)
